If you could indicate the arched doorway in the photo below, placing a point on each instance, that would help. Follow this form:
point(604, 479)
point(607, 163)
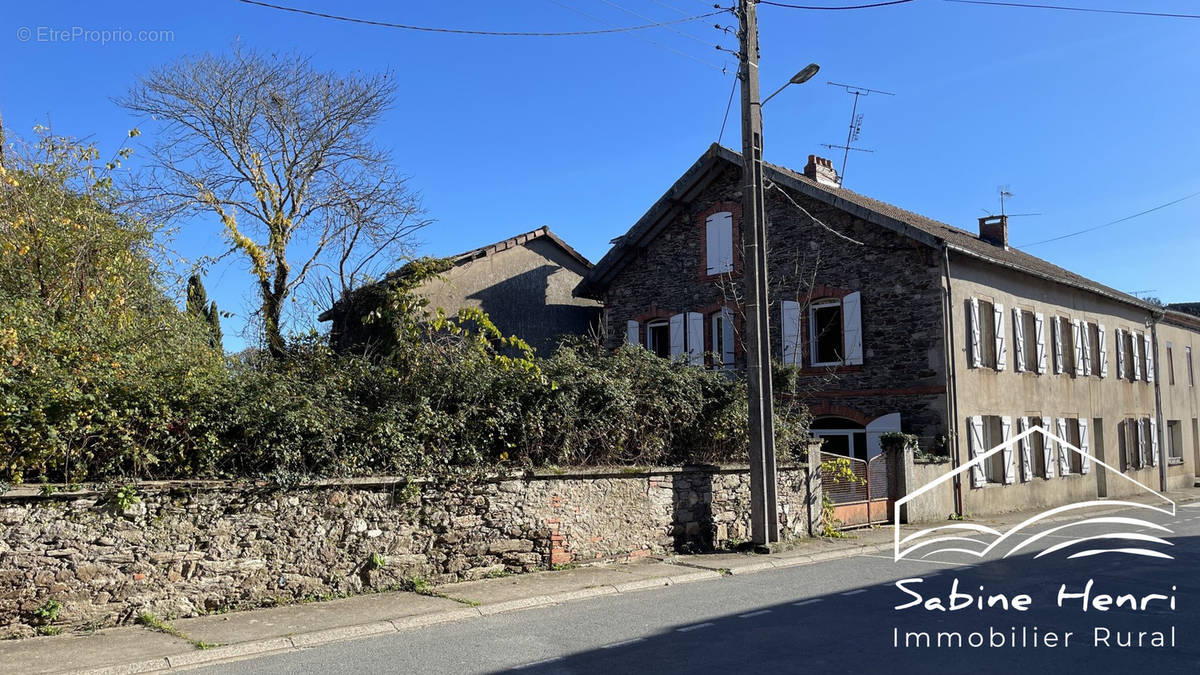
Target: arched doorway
point(841, 436)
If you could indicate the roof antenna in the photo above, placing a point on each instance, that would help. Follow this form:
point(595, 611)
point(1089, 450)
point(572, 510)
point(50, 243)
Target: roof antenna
point(1006, 193)
point(856, 120)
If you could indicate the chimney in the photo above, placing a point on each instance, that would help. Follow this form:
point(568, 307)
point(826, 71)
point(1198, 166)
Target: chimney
point(822, 171)
point(994, 230)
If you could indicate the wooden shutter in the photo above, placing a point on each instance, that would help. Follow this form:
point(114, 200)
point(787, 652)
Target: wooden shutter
point(1120, 344)
point(1135, 343)
point(1149, 346)
point(1039, 324)
point(1153, 441)
point(998, 325)
point(695, 338)
point(1085, 462)
point(852, 328)
point(1077, 341)
point(718, 240)
point(976, 442)
point(1103, 347)
point(1026, 450)
point(1018, 340)
point(633, 333)
point(974, 337)
point(1064, 457)
point(1010, 467)
point(677, 336)
point(1085, 334)
point(1056, 326)
point(790, 321)
point(727, 336)
point(1047, 449)
point(1141, 441)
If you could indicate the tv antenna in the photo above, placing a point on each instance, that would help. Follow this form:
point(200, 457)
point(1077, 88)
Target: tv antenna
point(856, 120)
point(1006, 193)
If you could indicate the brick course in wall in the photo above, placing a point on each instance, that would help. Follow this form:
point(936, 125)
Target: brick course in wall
point(901, 291)
point(189, 549)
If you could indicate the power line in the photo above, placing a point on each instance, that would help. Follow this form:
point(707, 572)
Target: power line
point(819, 7)
point(670, 28)
point(459, 31)
point(727, 107)
point(1119, 220)
point(1095, 10)
point(643, 38)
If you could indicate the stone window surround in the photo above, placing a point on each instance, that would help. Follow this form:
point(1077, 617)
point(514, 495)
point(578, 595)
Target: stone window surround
point(700, 223)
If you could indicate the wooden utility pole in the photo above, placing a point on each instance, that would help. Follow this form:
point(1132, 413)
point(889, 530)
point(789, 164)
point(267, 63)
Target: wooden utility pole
point(764, 507)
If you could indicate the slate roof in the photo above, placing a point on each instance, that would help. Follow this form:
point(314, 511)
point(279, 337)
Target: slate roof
point(913, 225)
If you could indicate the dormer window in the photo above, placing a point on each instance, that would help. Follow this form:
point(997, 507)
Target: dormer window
point(718, 233)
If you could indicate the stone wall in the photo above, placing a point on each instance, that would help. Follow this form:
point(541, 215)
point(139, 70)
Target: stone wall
point(190, 548)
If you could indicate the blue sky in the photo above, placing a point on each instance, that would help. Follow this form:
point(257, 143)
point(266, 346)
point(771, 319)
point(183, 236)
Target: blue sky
point(1087, 117)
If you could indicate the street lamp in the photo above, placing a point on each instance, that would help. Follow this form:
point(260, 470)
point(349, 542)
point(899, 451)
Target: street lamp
point(799, 78)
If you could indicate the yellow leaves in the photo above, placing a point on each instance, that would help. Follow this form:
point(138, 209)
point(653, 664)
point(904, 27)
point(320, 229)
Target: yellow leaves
point(23, 250)
point(134, 132)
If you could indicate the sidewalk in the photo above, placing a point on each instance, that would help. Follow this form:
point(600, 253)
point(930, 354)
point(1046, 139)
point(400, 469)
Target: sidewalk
point(137, 649)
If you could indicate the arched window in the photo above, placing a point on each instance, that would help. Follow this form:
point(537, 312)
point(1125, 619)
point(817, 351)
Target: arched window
point(841, 436)
point(658, 337)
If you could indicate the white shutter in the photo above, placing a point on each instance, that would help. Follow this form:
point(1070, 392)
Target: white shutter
point(974, 339)
point(1064, 456)
point(976, 442)
point(727, 336)
point(633, 333)
point(1085, 462)
point(1047, 449)
point(1103, 365)
point(1135, 342)
point(1085, 334)
point(1149, 345)
point(852, 328)
point(1026, 450)
point(677, 336)
point(1141, 441)
point(1120, 343)
point(695, 338)
point(1001, 348)
point(1018, 340)
point(1153, 441)
point(790, 320)
point(1010, 467)
point(1056, 326)
point(1077, 341)
point(718, 239)
point(1039, 323)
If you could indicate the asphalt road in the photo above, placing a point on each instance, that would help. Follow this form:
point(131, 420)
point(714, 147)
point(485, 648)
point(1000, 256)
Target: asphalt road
point(835, 617)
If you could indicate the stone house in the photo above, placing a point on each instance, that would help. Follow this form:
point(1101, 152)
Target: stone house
point(895, 321)
point(524, 283)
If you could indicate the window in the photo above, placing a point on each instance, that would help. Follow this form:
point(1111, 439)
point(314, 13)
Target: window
point(1094, 341)
point(993, 434)
point(718, 236)
point(1187, 352)
point(1026, 343)
point(721, 324)
point(1124, 448)
point(1074, 460)
point(658, 338)
point(841, 436)
point(1037, 448)
point(825, 332)
point(982, 337)
point(1069, 360)
point(1170, 364)
point(985, 433)
point(1174, 442)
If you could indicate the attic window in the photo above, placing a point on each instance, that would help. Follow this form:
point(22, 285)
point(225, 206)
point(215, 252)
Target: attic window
point(718, 237)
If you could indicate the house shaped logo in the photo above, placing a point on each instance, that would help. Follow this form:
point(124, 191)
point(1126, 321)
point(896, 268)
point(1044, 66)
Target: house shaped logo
point(1117, 534)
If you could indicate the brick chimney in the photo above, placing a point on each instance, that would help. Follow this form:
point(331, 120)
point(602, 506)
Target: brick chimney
point(822, 171)
point(994, 230)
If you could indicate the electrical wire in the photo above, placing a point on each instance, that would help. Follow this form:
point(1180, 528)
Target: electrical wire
point(643, 38)
point(1119, 220)
point(728, 106)
point(1095, 10)
point(815, 219)
point(670, 28)
point(819, 7)
point(459, 31)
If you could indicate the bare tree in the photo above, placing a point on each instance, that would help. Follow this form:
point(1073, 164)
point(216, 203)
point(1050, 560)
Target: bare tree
point(282, 154)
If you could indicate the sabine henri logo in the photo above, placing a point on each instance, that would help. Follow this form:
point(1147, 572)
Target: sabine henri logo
point(1116, 535)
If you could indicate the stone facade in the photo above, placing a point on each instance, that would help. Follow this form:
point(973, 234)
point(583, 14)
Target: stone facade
point(189, 549)
point(900, 282)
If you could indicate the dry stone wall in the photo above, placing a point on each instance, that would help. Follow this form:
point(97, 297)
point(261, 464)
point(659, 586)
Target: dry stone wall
point(187, 549)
